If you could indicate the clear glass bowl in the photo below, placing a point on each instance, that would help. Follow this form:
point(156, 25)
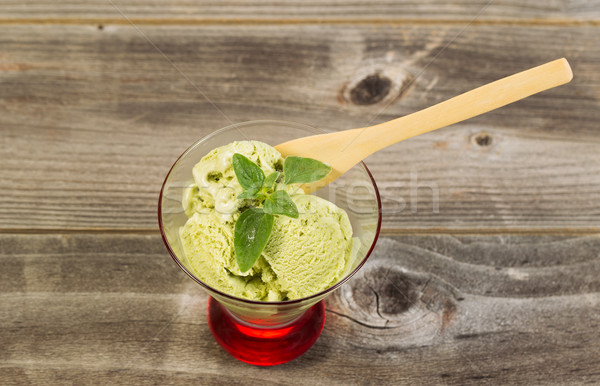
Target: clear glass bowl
point(268, 333)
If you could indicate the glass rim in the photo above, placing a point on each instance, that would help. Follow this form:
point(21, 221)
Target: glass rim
point(260, 302)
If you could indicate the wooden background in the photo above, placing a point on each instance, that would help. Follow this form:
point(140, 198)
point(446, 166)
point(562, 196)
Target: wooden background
point(491, 276)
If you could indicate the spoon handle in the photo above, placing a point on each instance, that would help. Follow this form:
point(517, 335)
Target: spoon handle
point(465, 106)
point(344, 149)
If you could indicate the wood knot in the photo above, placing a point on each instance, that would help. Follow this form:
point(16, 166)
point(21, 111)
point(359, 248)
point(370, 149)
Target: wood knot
point(372, 86)
point(393, 306)
point(385, 299)
point(371, 90)
point(384, 295)
point(484, 143)
point(483, 139)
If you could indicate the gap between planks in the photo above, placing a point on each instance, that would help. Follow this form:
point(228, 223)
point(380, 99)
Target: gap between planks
point(301, 21)
point(588, 231)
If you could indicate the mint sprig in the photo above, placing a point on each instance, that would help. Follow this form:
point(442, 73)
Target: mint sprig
point(253, 227)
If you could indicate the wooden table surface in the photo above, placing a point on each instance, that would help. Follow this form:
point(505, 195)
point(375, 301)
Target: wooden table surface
point(488, 267)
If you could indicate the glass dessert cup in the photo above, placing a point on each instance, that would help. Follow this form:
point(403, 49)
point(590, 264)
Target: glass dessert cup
point(269, 333)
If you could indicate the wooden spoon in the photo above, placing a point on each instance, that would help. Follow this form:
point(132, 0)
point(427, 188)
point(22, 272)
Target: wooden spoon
point(344, 149)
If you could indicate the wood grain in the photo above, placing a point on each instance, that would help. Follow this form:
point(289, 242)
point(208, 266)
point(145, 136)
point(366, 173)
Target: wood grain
point(92, 120)
point(80, 308)
point(489, 269)
point(163, 11)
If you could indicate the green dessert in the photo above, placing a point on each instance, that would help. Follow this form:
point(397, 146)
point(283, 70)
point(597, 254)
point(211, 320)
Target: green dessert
point(307, 251)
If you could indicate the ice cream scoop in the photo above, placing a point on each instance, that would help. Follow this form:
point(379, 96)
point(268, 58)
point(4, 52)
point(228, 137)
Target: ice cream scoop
point(344, 149)
point(303, 255)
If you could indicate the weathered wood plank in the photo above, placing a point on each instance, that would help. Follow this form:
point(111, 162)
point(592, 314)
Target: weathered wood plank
point(515, 266)
point(295, 10)
point(92, 120)
point(115, 308)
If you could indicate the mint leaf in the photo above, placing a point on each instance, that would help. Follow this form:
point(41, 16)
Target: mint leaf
point(249, 175)
point(270, 180)
point(304, 170)
point(280, 202)
point(251, 194)
point(252, 231)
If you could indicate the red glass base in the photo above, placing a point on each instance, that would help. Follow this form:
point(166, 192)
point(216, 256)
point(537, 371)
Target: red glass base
point(265, 346)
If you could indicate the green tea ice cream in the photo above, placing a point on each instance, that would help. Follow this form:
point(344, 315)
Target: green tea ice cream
point(303, 255)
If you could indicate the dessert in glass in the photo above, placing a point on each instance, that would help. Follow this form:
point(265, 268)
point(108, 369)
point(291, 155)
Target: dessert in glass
point(263, 316)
